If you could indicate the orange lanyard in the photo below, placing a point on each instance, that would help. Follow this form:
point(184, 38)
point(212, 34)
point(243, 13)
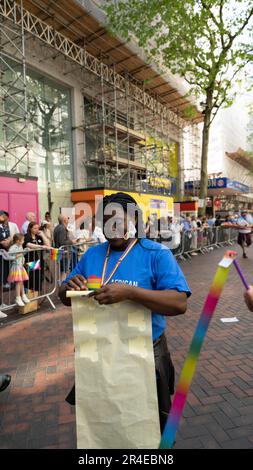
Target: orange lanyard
point(123, 256)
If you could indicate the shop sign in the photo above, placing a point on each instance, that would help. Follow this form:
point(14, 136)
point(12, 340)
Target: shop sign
point(219, 183)
point(158, 204)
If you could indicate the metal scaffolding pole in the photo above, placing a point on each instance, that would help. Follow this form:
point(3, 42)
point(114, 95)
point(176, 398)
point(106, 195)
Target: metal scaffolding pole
point(46, 33)
point(13, 98)
point(122, 123)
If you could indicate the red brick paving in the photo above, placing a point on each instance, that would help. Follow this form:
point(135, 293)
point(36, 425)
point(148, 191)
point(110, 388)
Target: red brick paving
point(37, 351)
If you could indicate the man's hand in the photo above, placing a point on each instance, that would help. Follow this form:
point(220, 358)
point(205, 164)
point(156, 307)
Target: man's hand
point(112, 293)
point(248, 297)
point(77, 282)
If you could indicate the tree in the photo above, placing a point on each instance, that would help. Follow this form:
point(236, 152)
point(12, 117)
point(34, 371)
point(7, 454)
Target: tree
point(47, 131)
point(250, 131)
point(208, 42)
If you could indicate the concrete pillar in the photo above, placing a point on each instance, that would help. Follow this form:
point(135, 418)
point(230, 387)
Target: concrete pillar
point(78, 139)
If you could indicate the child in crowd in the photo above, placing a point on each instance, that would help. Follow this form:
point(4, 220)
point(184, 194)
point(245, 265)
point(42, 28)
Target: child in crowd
point(18, 273)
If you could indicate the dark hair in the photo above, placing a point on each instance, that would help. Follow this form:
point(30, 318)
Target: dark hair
point(124, 200)
point(29, 228)
point(4, 213)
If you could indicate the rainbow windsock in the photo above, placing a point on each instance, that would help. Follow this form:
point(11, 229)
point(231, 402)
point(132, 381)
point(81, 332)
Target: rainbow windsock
point(94, 282)
point(190, 364)
point(33, 265)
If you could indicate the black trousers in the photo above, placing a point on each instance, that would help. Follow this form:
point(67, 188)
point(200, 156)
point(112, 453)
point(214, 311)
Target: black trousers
point(165, 379)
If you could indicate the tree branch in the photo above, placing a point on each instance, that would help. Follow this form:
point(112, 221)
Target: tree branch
point(221, 22)
point(243, 25)
point(206, 7)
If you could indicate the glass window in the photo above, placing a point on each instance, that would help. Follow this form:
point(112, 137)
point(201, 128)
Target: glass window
point(49, 134)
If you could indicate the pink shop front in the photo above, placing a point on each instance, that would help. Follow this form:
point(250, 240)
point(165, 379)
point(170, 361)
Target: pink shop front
point(18, 195)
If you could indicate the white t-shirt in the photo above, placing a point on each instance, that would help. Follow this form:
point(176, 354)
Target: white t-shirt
point(176, 229)
point(13, 229)
point(244, 222)
point(82, 234)
point(98, 235)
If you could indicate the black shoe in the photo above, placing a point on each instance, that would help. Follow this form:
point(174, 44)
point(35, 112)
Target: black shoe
point(5, 381)
point(244, 255)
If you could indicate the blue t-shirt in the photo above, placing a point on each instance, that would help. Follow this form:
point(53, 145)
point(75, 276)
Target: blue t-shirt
point(149, 265)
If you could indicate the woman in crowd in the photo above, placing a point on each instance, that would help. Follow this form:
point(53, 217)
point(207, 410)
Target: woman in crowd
point(46, 229)
point(36, 241)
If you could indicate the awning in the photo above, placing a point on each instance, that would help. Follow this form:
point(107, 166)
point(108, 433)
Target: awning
point(241, 157)
point(219, 187)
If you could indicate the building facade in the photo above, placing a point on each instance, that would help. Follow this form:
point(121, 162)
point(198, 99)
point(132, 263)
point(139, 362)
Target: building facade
point(78, 109)
point(229, 160)
point(230, 167)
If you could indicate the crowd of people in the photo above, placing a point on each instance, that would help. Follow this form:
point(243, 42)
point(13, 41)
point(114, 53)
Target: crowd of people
point(27, 245)
point(194, 230)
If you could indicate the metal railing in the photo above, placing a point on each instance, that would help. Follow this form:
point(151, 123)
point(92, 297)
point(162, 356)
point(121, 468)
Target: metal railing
point(41, 271)
point(204, 240)
point(44, 271)
point(71, 255)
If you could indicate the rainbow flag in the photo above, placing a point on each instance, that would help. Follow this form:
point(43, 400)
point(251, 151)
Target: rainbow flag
point(56, 254)
point(33, 265)
point(94, 282)
point(186, 377)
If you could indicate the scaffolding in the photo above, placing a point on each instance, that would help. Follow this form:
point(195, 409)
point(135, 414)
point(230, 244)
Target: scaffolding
point(129, 135)
point(192, 169)
point(127, 144)
point(13, 98)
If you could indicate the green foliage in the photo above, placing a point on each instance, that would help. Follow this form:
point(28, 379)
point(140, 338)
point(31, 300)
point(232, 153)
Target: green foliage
point(250, 131)
point(190, 112)
point(207, 42)
point(200, 40)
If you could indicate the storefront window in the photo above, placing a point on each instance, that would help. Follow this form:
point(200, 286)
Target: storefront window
point(49, 135)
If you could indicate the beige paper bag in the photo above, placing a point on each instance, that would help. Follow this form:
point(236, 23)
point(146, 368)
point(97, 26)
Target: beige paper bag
point(116, 398)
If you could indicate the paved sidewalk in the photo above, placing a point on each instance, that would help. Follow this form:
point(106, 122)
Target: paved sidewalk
point(38, 352)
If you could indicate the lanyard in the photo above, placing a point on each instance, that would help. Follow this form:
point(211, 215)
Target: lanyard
point(125, 253)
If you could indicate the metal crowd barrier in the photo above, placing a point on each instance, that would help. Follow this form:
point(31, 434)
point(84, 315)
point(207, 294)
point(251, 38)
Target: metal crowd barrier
point(41, 281)
point(45, 278)
point(71, 255)
point(204, 240)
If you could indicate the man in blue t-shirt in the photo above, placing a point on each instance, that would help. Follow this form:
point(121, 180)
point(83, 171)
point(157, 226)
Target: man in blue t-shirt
point(140, 270)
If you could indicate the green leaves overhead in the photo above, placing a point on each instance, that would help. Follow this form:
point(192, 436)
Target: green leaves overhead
point(204, 41)
point(208, 42)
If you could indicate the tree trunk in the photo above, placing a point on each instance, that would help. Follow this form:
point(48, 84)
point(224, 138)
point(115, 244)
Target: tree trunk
point(204, 152)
